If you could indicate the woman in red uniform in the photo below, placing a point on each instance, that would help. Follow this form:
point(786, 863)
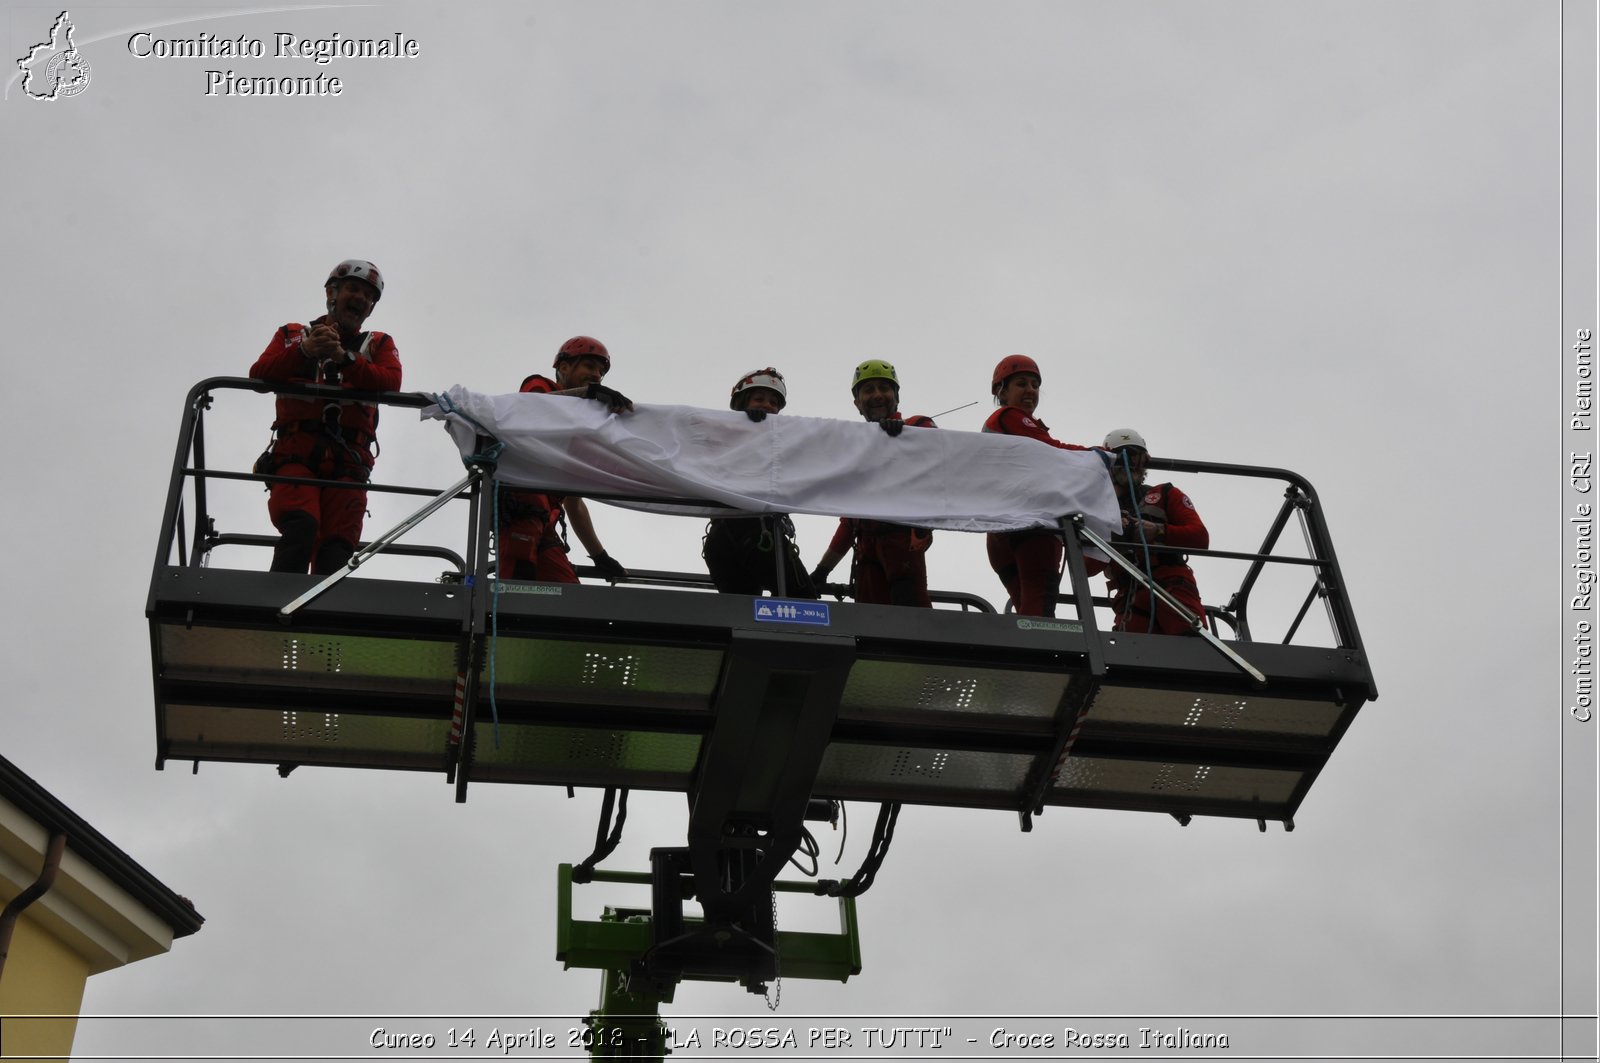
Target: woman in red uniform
point(528, 544)
point(1028, 562)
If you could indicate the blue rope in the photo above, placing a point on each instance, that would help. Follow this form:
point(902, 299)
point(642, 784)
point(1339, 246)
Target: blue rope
point(489, 455)
point(1149, 566)
point(1127, 468)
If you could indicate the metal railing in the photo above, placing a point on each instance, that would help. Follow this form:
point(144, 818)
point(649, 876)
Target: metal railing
point(188, 532)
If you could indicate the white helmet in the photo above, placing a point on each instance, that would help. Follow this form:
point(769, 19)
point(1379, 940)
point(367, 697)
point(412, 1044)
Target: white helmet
point(1126, 437)
point(361, 270)
point(760, 378)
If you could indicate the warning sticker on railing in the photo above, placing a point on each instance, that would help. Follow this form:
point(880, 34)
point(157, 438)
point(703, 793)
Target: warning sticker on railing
point(783, 611)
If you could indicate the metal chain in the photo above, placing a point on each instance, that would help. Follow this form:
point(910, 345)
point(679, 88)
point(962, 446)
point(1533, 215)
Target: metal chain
point(771, 998)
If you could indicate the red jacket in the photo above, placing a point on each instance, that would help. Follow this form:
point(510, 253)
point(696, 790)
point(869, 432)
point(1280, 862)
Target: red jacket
point(516, 504)
point(1167, 505)
point(376, 367)
point(1013, 421)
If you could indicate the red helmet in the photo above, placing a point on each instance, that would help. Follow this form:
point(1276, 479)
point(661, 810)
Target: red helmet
point(1010, 366)
point(583, 347)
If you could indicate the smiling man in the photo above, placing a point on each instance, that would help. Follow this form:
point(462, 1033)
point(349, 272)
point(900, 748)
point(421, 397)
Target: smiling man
point(326, 439)
point(890, 564)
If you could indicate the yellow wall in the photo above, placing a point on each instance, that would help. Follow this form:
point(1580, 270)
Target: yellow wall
point(42, 977)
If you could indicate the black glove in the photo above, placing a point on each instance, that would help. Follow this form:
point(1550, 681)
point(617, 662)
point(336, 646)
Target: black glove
point(818, 578)
point(608, 567)
point(892, 426)
point(756, 415)
point(614, 399)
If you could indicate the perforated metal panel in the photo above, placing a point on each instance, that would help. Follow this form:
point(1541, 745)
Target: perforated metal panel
point(277, 736)
point(621, 758)
point(1203, 711)
point(670, 677)
point(850, 769)
point(291, 658)
point(880, 688)
point(1244, 786)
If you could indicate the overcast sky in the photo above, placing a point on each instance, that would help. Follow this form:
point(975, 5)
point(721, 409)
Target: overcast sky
point(1322, 236)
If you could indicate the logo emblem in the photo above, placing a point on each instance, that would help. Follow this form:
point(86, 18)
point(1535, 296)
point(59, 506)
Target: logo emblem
point(55, 69)
point(528, 588)
point(1025, 624)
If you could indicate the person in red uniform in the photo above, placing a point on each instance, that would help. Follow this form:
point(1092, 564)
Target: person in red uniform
point(742, 553)
point(1028, 561)
point(326, 439)
point(528, 544)
point(890, 565)
point(1155, 519)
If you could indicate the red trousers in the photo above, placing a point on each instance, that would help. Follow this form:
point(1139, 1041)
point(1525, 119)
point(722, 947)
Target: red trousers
point(891, 568)
point(529, 549)
point(320, 525)
point(1133, 612)
point(339, 513)
point(1029, 564)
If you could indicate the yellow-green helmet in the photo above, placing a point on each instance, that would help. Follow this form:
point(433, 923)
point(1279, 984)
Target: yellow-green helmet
point(874, 369)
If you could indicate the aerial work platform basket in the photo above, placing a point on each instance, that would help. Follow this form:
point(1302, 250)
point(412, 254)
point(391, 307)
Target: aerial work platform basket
point(644, 687)
point(753, 707)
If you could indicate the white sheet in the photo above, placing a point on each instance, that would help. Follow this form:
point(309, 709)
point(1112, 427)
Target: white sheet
point(678, 455)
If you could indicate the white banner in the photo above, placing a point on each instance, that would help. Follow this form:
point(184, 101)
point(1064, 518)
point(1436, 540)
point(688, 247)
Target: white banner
point(677, 456)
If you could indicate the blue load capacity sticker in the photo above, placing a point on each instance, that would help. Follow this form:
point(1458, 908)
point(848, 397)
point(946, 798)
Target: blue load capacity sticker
point(783, 611)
